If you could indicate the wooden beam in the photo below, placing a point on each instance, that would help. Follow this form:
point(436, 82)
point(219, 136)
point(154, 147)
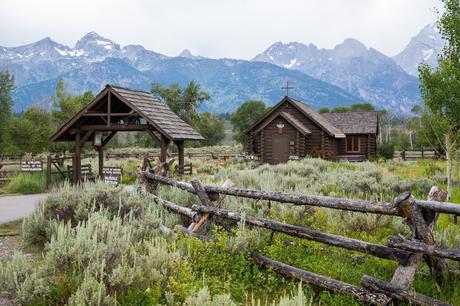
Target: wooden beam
point(85, 137)
point(98, 114)
point(154, 137)
point(108, 138)
point(116, 127)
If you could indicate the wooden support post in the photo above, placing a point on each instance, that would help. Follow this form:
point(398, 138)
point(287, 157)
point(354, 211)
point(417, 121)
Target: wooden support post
point(322, 144)
point(77, 162)
point(180, 148)
point(109, 107)
point(100, 152)
point(164, 148)
point(48, 172)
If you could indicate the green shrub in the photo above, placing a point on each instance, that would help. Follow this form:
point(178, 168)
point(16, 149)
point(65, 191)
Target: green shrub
point(27, 183)
point(204, 298)
point(22, 281)
point(91, 292)
point(74, 205)
point(386, 150)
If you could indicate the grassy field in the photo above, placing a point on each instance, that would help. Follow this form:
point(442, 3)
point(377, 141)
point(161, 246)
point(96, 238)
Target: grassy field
point(103, 246)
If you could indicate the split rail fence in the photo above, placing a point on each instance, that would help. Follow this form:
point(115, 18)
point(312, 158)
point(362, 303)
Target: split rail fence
point(416, 154)
point(408, 252)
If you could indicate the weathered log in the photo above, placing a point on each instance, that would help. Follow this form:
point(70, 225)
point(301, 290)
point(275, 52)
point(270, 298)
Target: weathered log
point(196, 226)
point(422, 223)
point(175, 208)
point(376, 207)
point(398, 292)
point(161, 170)
point(297, 199)
point(404, 274)
point(363, 295)
point(200, 192)
point(307, 233)
point(417, 246)
point(438, 266)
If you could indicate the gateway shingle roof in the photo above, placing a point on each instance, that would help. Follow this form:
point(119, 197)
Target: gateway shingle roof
point(156, 112)
point(144, 104)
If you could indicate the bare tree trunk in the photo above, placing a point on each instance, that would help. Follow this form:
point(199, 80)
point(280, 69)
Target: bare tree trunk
point(449, 155)
point(411, 142)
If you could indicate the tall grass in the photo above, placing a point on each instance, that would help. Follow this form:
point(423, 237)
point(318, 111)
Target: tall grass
point(27, 183)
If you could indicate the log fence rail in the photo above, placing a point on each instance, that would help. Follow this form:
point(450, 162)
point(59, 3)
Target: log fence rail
point(408, 252)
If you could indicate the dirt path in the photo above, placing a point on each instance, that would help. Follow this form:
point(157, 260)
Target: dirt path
point(17, 207)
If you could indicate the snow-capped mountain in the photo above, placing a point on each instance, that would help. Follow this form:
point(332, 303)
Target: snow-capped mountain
point(423, 48)
point(348, 73)
point(95, 47)
point(361, 71)
point(96, 61)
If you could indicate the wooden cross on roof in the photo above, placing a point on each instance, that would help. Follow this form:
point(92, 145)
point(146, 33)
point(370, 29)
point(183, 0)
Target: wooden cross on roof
point(287, 87)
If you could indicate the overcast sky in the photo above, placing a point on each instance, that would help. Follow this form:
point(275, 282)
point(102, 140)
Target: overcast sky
point(217, 28)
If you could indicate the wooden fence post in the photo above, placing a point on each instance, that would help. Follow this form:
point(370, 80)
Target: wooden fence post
point(205, 200)
point(48, 172)
point(421, 223)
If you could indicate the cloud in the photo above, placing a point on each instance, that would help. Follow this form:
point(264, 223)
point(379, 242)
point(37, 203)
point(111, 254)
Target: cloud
point(217, 28)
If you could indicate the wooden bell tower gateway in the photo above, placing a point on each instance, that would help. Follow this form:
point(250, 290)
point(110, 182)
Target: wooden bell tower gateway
point(117, 109)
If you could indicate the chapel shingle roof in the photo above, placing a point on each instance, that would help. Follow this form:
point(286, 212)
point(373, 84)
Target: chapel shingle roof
point(354, 122)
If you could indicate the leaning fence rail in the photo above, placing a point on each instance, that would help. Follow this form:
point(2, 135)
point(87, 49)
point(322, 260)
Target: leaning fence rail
point(420, 215)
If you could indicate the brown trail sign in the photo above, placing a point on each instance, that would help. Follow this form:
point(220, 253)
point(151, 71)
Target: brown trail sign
point(31, 166)
point(112, 175)
point(420, 216)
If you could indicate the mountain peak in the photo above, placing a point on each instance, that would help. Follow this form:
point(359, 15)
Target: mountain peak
point(350, 47)
point(422, 48)
point(94, 44)
point(186, 53)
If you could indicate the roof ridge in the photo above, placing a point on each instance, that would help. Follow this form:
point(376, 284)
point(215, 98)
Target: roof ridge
point(320, 117)
point(130, 89)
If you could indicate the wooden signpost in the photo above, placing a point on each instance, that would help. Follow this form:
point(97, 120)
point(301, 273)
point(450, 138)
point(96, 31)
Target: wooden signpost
point(31, 166)
point(112, 175)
